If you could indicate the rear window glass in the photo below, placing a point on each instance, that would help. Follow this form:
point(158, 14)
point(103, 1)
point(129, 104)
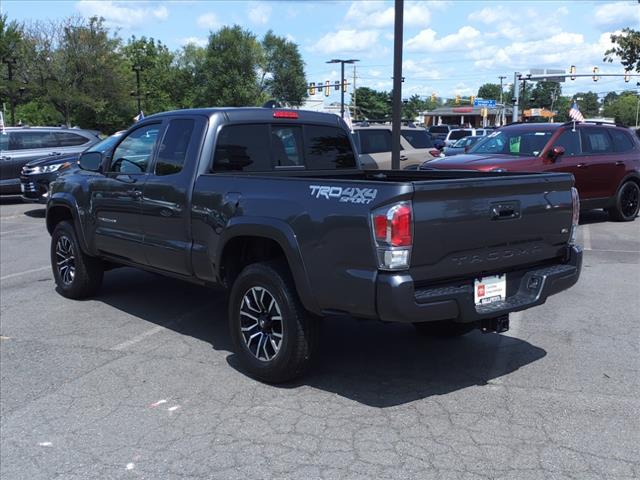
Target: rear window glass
point(596, 140)
point(439, 129)
point(286, 146)
point(417, 138)
point(375, 141)
point(66, 139)
point(327, 148)
point(621, 141)
point(4, 141)
point(457, 134)
point(243, 148)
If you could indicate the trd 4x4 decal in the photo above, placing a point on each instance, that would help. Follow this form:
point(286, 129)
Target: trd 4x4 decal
point(347, 195)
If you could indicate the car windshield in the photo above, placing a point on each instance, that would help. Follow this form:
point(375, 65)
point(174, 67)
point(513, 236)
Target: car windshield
point(463, 142)
point(105, 144)
point(438, 129)
point(417, 138)
point(514, 142)
point(456, 134)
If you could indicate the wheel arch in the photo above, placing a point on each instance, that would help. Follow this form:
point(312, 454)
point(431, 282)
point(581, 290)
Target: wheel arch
point(65, 209)
point(248, 241)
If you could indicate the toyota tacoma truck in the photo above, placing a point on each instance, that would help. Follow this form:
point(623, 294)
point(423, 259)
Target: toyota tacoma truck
point(272, 205)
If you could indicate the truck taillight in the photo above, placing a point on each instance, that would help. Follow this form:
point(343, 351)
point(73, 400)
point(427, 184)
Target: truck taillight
point(575, 218)
point(393, 234)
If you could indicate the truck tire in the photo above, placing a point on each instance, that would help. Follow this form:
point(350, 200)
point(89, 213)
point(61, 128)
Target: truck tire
point(273, 335)
point(444, 328)
point(76, 274)
point(627, 202)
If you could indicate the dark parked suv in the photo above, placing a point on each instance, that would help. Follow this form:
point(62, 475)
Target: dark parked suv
point(20, 145)
point(604, 159)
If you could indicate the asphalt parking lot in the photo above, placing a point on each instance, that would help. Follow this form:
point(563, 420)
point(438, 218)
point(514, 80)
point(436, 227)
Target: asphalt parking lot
point(140, 382)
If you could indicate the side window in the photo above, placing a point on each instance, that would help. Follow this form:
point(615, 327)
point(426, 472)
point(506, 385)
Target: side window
point(570, 141)
point(375, 141)
point(286, 146)
point(243, 148)
point(173, 149)
point(4, 141)
point(327, 148)
point(26, 140)
point(67, 139)
point(621, 141)
point(135, 151)
point(596, 141)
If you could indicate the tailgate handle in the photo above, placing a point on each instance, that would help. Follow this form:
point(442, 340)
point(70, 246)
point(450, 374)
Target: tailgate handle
point(504, 211)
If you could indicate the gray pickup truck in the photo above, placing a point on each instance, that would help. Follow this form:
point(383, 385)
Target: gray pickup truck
point(272, 205)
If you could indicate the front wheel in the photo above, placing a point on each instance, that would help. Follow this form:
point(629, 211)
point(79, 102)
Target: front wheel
point(444, 328)
point(76, 274)
point(273, 335)
point(627, 202)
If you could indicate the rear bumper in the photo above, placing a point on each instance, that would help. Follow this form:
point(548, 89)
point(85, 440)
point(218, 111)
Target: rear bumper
point(399, 301)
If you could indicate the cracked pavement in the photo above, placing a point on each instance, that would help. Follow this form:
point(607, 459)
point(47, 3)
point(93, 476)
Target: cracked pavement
point(140, 383)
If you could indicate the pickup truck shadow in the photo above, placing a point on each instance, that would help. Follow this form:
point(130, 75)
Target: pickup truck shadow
point(594, 216)
point(376, 364)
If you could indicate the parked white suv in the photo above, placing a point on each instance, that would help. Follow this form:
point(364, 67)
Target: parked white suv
point(373, 142)
point(454, 135)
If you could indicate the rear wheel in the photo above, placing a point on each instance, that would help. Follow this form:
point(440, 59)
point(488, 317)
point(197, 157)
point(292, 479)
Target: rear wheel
point(627, 202)
point(444, 328)
point(273, 335)
point(76, 274)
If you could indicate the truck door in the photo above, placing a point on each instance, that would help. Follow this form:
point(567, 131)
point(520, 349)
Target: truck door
point(116, 197)
point(167, 196)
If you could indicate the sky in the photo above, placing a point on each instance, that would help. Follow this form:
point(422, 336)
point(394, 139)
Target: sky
point(450, 47)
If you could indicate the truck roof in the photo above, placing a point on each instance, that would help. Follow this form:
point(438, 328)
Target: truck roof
point(259, 114)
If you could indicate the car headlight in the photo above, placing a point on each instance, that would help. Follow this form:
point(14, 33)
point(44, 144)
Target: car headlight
point(50, 168)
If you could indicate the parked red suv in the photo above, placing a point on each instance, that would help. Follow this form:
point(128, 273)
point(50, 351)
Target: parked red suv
point(603, 158)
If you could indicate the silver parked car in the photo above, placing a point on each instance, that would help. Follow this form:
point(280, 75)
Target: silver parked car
point(20, 145)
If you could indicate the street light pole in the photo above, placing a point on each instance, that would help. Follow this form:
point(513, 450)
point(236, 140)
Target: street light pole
point(516, 95)
point(342, 84)
point(10, 62)
point(501, 77)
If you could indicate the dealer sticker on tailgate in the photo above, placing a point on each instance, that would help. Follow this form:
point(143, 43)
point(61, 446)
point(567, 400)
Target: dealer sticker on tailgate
point(490, 289)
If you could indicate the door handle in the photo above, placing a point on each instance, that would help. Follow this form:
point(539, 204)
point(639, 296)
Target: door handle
point(54, 154)
point(4, 157)
point(582, 165)
point(403, 157)
point(135, 193)
point(619, 163)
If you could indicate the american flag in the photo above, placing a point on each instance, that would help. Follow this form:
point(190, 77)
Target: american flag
point(575, 114)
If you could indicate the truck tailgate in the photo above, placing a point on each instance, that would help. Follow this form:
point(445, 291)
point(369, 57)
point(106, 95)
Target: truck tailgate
point(489, 225)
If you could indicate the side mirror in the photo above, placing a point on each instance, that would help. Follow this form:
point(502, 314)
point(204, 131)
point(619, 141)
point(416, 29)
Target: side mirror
point(91, 161)
point(555, 153)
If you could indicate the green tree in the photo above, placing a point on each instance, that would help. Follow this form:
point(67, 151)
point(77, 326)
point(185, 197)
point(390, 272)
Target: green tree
point(589, 105)
point(189, 74)
point(623, 108)
point(373, 104)
point(544, 94)
point(489, 91)
point(231, 64)
point(562, 106)
point(12, 68)
point(157, 74)
point(283, 77)
point(627, 48)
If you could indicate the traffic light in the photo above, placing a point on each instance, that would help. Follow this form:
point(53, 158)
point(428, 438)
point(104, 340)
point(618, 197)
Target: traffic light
point(457, 99)
point(572, 70)
point(471, 99)
point(327, 88)
point(344, 86)
point(433, 97)
point(595, 74)
point(336, 85)
point(312, 88)
point(626, 76)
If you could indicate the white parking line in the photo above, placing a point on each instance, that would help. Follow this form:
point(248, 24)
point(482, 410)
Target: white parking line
point(22, 230)
point(26, 272)
point(157, 329)
point(586, 237)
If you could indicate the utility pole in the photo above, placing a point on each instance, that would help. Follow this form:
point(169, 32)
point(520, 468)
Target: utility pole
point(501, 77)
point(355, 111)
point(516, 96)
point(342, 85)
point(396, 117)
